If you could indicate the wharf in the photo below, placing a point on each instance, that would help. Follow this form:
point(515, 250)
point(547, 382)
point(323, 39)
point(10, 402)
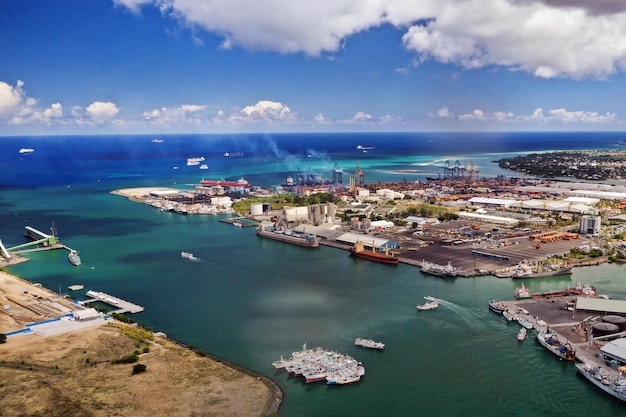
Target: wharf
point(239, 221)
point(552, 313)
point(123, 305)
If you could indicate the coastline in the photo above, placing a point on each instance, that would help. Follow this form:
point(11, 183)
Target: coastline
point(243, 392)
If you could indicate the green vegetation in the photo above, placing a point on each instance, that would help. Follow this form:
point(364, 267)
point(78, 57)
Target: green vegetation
point(135, 332)
point(285, 200)
point(139, 368)
point(132, 358)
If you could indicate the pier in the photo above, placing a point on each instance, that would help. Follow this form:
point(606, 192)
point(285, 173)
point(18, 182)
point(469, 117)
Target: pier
point(123, 306)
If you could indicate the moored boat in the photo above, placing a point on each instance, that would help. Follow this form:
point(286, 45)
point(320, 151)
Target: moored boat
point(497, 306)
point(525, 323)
point(548, 339)
point(522, 293)
point(439, 270)
point(386, 257)
point(272, 231)
point(525, 271)
point(614, 385)
point(508, 314)
point(522, 334)
point(74, 258)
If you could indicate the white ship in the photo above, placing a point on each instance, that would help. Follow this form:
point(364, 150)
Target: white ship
point(194, 161)
point(369, 343)
point(318, 364)
point(188, 255)
point(27, 150)
point(74, 258)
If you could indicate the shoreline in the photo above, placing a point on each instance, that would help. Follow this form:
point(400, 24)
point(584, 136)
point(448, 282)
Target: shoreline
point(22, 296)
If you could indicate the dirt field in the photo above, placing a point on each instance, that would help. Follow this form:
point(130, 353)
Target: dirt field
point(71, 374)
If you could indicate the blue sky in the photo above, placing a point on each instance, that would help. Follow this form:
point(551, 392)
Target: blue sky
point(212, 66)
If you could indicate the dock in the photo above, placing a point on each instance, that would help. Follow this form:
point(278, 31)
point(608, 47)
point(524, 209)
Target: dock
point(123, 306)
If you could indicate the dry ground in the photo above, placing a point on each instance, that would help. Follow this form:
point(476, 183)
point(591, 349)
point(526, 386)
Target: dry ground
point(71, 374)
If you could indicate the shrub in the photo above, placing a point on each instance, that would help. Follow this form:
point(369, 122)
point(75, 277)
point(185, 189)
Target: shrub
point(139, 368)
point(3, 338)
point(132, 358)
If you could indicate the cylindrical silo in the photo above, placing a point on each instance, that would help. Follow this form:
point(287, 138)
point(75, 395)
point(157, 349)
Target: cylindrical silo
point(256, 209)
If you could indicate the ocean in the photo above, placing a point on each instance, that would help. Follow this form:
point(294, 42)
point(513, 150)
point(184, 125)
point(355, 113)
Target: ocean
point(250, 300)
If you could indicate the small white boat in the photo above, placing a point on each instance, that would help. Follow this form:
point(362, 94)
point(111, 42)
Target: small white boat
point(431, 304)
point(522, 334)
point(27, 150)
point(188, 255)
point(204, 166)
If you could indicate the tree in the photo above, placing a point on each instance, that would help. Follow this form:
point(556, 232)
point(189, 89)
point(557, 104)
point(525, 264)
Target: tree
point(139, 368)
point(3, 338)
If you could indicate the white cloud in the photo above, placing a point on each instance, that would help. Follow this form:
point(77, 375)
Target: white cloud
point(101, 112)
point(11, 98)
point(547, 38)
point(444, 112)
point(554, 116)
point(175, 116)
point(265, 110)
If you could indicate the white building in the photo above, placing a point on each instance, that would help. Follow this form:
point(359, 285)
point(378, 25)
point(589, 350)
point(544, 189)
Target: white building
point(590, 225)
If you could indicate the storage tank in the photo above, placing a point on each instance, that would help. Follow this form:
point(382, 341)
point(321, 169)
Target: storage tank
point(256, 209)
point(619, 321)
point(331, 211)
point(317, 217)
point(603, 329)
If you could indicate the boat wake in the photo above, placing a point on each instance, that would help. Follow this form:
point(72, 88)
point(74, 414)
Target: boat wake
point(469, 315)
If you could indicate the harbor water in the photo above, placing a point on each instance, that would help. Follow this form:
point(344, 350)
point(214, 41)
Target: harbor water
point(250, 300)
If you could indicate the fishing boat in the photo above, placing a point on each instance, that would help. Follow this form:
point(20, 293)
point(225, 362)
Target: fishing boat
point(497, 306)
point(548, 339)
point(508, 314)
point(74, 258)
point(387, 256)
point(522, 334)
point(614, 385)
point(369, 343)
point(277, 231)
point(525, 323)
point(439, 270)
point(430, 305)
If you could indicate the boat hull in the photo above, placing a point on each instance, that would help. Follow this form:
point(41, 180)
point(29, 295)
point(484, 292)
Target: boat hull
point(547, 274)
point(618, 392)
point(295, 240)
point(550, 342)
point(376, 257)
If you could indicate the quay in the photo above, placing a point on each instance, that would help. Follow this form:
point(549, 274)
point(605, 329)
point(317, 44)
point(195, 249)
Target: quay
point(571, 318)
point(123, 305)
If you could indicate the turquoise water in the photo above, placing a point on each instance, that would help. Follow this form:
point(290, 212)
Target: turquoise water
point(250, 300)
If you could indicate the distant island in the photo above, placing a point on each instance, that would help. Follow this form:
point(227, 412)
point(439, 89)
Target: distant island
point(584, 165)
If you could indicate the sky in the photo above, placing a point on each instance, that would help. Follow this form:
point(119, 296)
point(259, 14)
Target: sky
point(237, 66)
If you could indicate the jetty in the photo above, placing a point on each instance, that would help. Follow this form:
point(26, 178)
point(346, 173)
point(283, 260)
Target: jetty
point(123, 306)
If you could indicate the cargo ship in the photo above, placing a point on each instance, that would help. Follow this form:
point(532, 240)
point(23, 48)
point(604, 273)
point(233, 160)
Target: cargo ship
point(272, 231)
point(386, 257)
